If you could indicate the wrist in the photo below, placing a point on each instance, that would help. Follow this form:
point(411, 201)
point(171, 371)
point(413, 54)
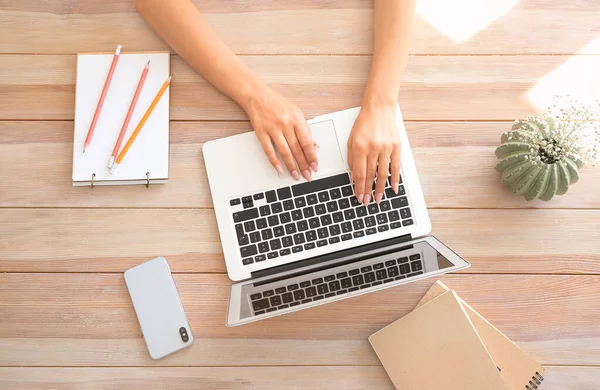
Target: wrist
point(377, 100)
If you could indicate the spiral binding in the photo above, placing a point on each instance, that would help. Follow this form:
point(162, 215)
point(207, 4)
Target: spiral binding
point(535, 381)
point(147, 179)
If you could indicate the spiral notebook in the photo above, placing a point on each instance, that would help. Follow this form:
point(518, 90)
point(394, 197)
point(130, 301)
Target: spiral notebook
point(444, 343)
point(147, 161)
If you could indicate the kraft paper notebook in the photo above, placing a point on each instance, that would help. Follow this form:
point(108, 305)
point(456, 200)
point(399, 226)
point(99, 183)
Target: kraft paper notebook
point(518, 368)
point(445, 344)
point(148, 158)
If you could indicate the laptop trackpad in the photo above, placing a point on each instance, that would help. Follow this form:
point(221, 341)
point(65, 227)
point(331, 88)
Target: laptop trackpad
point(329, 151)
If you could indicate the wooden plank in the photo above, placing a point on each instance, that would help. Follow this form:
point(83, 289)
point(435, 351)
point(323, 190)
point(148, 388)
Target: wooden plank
point(435, 88)
point(455, 162)
point(112, 240)
point(264, 378)
point(306, 27)
point(87, 320)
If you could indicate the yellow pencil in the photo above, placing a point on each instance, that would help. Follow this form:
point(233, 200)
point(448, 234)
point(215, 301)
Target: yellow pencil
point(141, 124)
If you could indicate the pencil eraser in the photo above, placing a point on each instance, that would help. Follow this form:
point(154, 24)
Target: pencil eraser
point(118, 51)
point(111, 163)
point(113, 168)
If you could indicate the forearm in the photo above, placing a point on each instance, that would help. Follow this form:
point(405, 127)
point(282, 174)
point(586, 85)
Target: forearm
point(393, 23)
point(184, 28)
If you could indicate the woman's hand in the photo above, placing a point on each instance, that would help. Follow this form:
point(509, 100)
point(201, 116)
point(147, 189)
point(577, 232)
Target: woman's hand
point(373, 143)
point(280, 124)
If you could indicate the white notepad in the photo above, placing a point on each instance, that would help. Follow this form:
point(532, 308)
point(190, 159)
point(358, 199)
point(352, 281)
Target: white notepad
point(148, 157)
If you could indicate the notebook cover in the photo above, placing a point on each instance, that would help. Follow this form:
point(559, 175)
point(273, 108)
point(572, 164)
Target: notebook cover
point(516, 366)
point(150, 151)
point(435, 347)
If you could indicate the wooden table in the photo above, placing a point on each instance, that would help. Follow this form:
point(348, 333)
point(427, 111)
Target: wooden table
point(66, 320)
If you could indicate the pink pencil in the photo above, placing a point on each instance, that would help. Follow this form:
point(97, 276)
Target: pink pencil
point(88, 139)
point(128, 117)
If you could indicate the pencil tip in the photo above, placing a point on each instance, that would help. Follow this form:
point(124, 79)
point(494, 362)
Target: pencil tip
point(148, 63)
point(169, 79)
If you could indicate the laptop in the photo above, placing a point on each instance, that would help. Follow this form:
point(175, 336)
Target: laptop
point(292, 245)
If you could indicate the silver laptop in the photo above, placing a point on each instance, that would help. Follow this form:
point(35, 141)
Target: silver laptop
point(292, 244)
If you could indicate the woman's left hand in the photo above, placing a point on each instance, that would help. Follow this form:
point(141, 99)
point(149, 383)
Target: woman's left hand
point(373, 143)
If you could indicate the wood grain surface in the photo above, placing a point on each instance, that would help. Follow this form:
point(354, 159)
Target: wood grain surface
point(66, 320)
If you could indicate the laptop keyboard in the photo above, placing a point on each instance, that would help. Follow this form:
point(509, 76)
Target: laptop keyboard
point(334, 284)
point(313, 214)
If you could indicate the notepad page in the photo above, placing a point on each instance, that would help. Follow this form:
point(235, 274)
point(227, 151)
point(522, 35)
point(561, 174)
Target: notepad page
point(150, 151)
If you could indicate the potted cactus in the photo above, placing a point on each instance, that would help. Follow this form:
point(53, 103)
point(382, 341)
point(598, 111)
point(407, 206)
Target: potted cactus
point(540, 156)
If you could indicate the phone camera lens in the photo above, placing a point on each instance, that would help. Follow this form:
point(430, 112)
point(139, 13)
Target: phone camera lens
point(183, 334)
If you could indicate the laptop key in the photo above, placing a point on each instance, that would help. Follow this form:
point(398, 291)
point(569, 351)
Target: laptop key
point(275, 244)
point(341, 292)
point(378, 266)
point(393, 216)
point(276, 300)
point(299, 238)
point(385, 205)
point(266, 234)
point(311, 199)
point(311, 292)
point(287, 297)
point(370, 221)
point(247, 205)
point(335, 193)
point(414, 274)
point(305, 284)
point(405, 213)
point(352, 289)
point(320, 209)
point(338, 217)
point(318, 297)
point(399, 202)
point(276, 207)
point(254, 237)
point(346, 227)
point(300, 202)
point(256, 296)
point(389, 263)
point(298, 295)
point(287, 241)
point(402, 260)
point(354, 202)
point(322, 289)
point(309, 246)
point(260, 304)
point(347, 191)
point(401, 190)
point(349, 214)
point(243, 240)
point(246, 199)
point(326, 220)
point(288, 205)
point(307, 300)
point(332, 206)
point(290, 228)
point(381, 274)
point(334, 286)
point(369, 277)
point(373, 208)
point(393, 272)
point(249, 226)
point(302, 226)
point(321, 243)
point(354, 272)
point(334, 230)
point(365, 286)
point(264, 210)
point(388, 280)
point(294, 304)
point(283, 307)
point(376, 283)
point(371, 231)
point(271, 309)
point(284, 252)
point(314, 223)
point(344, 203)
point(341, 275)
point(395, 225)
point(334, 240)
point(416, 266)
point(239, 230)
point(358, 280)
point(285, 217)
point(292, 287)
point(297, 249)
point(323, 196)
point(358, 224)
point(383, 228)
point(346, 283)
point(263, 247)
point(296, 215)
point(361, 211)
point(284, 193)
point(358, 234)
point(258, 196)
point(261, 223)
point(323, 233)
point(271, 197)
point(234, 202)
point(329, 278)
point(365, 269)
point(279, 290)
point(308, 212)
point(311, 235)
point(249, 250)
point(245, 215)
point(381, 219)
point(329, 295)
point(248, 260)
point(407, 222)
point(404, 268)
point(260, 258)
point(346, 237)
point(268, 293)
point(272, 255)
point(416, 256)
point(273, 220)
point(278, 231)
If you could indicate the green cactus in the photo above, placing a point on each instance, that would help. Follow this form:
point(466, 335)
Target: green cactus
point(534, 160)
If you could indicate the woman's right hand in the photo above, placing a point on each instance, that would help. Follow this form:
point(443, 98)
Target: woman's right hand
point(280, 124)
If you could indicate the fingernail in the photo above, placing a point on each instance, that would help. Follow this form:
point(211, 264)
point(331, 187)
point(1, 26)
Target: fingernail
point(314, 166)
point(306, 174)
point(395, 188)
point(295, 175)
point(378, 197)
point(279, 169)
point(359, 197)
point(367, 199)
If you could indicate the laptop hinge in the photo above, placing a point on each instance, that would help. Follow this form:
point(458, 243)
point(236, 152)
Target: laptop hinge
point(330, 256)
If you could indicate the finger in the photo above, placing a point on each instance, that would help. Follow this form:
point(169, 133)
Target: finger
point(395, 168)
point(298, 153)
point(359, 175)
point(307, 144)
point(382, 174)
point(370, 177)
point(267, 145)
point(286, 155)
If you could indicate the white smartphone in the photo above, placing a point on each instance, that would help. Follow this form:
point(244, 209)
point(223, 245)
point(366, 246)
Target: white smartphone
point(158, 308)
